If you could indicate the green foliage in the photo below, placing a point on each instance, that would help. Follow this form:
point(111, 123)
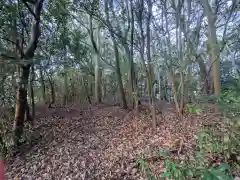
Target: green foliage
point(163, 152)
point(210, 147)
point(229, 101)
point(172, 171)
point(216, 156)
point(207, 142)
point(144, 167)
point(194, 110)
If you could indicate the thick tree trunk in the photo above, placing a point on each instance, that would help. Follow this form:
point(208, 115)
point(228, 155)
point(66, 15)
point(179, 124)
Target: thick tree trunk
point(26, 53)
point(133, 78)
point(96, 58)
point(117, 59)
point(21, 102)
point(119, 75)
point(214, 49)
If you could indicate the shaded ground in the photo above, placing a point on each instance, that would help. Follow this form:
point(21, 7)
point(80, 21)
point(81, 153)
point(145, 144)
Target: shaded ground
point(98, 142)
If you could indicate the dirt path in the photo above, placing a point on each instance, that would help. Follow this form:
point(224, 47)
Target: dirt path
point(92, 143)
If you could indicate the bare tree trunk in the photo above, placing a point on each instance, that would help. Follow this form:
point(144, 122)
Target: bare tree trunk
point(28, 117)
point(42, 85)
point(182, 93)
point(147, 69)
point(165, 95)
point(21, 102)
point(32, 91)
point(203, 74)
point(96, 58)
point(160, 86)
point(14, 89)
point(150, 72)
point(119, 75)
point(117, 59)
point(174, 91)
point(86, 90)
point(133, 78)
point(214, 49)
point(26, 53)
point(51, 83)
point(98, 71)
point(65, 97)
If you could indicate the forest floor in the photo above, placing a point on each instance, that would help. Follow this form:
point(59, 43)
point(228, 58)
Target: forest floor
point(101, 142)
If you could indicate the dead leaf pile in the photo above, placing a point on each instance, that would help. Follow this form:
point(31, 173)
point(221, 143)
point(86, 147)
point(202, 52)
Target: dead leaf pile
point(99, 143)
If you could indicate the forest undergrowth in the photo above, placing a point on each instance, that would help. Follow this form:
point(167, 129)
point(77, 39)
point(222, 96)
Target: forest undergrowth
point(107, 142)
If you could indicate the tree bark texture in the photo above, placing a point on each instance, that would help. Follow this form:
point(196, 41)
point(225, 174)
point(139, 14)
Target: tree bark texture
point(26, 53)
point(214, 49)
point(117, 59)
point(32, 91)
point(42, 85)
point(21, 103)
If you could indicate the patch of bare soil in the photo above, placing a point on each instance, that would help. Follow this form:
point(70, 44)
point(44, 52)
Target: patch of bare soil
point(98, 142)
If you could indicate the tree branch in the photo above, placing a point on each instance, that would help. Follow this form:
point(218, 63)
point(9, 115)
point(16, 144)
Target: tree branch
point(29, 8)
point(35, 31)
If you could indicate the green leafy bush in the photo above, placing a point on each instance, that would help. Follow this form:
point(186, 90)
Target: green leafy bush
point(229, 101)
point(194, 110)
point(215, 157)
point(144, 167)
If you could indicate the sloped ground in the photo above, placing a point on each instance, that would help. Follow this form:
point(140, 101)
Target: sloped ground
point(99, 143)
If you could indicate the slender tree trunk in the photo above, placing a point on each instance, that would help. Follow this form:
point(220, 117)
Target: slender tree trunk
point(186, 90)
point(96, 58)
point(214, 48)
point(28, 116)
point(98, 71)
point(203, 74)
point(32, 91)
point(182, 93)
point(174, 91)
point(160, 86)
point(165, 83)
point(150, 72)
point(86, 90)
point(14, 82)
point(103, 89)
point(133, 78)
point(90, 85)
point(65, 97)
point(117, 59)
point(52, 88)
point(119, 75)
point(21, 102)
point(43, 87)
